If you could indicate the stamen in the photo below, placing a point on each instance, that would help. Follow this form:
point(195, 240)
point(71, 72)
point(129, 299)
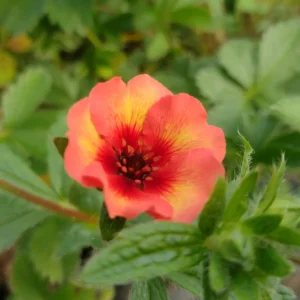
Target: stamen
point(130, 150)
point(130, 169)
point(118, 164)
point(124, 161)
point(148, 178)
point(156, 158)
point(148, 155)
point(124, 143)
point(124, 169)
point(137, 173)
point(137, 181)
point(155, 169)
point(146, 169)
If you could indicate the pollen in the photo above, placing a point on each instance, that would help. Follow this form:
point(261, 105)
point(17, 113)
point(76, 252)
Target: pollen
point(124, 161)
point(118, 164)
point(148, 155)
point(130, 150)
point(124, 169)
point(124, 142)
point(148, 178)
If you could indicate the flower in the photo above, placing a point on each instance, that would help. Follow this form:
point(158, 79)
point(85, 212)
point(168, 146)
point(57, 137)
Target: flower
point(149, 150)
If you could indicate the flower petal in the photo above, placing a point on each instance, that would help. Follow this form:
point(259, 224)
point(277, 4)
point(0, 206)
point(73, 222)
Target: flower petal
point(186, 182)
point(84, 140)
point(177, 123)
point(117, 107)
point(122, 197)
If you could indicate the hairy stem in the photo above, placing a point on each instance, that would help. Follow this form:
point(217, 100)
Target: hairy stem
point(52, 206)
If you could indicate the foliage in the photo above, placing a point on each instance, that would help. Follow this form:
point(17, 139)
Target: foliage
point(241, 58)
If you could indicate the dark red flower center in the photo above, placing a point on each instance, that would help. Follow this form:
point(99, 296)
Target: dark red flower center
point(136, 164)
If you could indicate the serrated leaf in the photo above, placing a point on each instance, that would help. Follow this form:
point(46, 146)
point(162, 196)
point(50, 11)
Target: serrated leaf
point(271, 190)
point(42, 246)
point(279, 49)
point(71, 15)
point(285, 235)
point(16, 172)
point(145, 251)
point(74, 237)
point(263, 224)
point(22, 98)
point(227, 97)
point(153, 289)
point(16, 216)
point(109, 227)
point(158, 47)
point(213, 210)
point(214, 85)
point(218, 273)
point(271, 261)
point(23, 16)
point(25, 281)
point(8, 68)
point(238, 205)
point(60, 181)
point(287, 111)
point(68, 291)
point(248, 150)
point(187, 281)
point(237, 57)
point(244, 287)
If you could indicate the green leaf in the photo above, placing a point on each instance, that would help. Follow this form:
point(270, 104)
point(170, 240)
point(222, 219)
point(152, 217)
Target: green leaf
point(235, 245)
point(74, 237)
point(188, 281)
point(8, 68)
point(287, 111)
point(15, 171)
point(42, 247)
point(271, 190)
point(213, 210)
point(23, 98)
point(194, 17)
point(109, 227)
point(245, 166)
point(69, 291)
point(158, 47)
point(244, 287)
point(286, 236)
point(71, 15)
point(228, 99)
point(215, 86)
point(218, 273)
point(279, 49)
point(286, 293)
point(263, 224)
point(271, 261)
point(153, 289)
point(61, 144)
point(238, 205)
point(23, 16)
point(16, 216)
point(26, 282)
point(60, 181)
point(237, 57)
point(145, 251)
point(87, 200)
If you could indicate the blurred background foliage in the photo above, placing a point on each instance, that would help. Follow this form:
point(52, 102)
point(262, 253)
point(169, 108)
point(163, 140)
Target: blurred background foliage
point(240, 57)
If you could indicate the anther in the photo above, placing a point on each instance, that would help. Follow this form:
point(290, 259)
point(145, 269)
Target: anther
point(137, 181)
point(148, 178)
point(146, 169)
point(124, 169)
point(156, 158)
point(124, 161)
point(124, 143)
point(130, 150)
point(118, 164)
point(155, 169)
point(130, 169)
point(148, 155)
